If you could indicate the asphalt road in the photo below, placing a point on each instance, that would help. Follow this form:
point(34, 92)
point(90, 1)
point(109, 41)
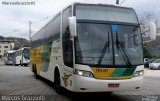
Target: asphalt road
point(18, 81)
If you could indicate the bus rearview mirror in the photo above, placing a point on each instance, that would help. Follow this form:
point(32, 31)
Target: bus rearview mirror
point(72, 26)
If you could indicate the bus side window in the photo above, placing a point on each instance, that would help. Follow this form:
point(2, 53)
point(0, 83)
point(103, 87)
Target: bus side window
point(67, 43)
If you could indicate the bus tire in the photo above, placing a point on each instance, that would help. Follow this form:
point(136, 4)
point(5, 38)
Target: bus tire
point(21, 63)
point(57, 82)
point(35, 72)
point(32, 68)
point(109, 93)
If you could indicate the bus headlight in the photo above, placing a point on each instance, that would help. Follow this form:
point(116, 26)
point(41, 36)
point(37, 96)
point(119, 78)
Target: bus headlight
point(83, 73)
point(139, 73)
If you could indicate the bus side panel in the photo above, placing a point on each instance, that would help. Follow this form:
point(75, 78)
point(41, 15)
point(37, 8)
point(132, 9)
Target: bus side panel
point(51, 59)
point(56, 60)
point(18, 58)
point(36, 57)
point(14, 58)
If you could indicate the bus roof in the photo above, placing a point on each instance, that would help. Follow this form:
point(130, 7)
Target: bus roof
point(74, 3)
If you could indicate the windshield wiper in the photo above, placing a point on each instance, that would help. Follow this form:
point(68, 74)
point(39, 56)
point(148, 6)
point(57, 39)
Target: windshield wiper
point(124, 53)
point(104, 51)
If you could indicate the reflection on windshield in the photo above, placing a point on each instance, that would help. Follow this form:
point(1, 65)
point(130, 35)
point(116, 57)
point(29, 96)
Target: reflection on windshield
point(90, 43)
point(106, 46)
point(26, 53)
point(96, 44)
point(10, 57)
point(120, 47)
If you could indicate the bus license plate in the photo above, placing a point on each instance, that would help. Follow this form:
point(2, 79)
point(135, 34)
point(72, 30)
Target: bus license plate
point(113, 85)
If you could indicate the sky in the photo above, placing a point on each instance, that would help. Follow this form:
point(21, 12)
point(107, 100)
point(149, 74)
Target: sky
point(14, 19)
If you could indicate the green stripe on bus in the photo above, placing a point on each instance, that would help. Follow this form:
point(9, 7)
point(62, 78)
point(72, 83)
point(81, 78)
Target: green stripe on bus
point(118, 72)
point(123, 72)
point(129, 71)
point(46, 52)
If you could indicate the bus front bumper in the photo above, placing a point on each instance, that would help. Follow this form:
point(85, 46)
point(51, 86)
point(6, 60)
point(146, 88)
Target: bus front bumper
point(86, 84)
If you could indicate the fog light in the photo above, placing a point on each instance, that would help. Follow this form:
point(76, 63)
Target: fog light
point(137, 87)
point(82, 89)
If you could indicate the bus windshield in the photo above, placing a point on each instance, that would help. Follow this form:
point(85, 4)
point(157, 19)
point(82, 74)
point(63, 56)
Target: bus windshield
point(95, 44)
point(10, 56)
point(107, 35)
point(26, 53)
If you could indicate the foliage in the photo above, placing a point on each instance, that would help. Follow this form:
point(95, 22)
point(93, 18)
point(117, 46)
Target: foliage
point(146, 53)
point(156, 57)
point(15, 48)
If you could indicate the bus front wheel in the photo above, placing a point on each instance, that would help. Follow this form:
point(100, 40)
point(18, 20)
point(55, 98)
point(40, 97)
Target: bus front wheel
point(57, 82)
point(21, 63)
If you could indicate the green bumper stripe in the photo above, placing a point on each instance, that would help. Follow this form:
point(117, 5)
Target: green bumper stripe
point(129, 72)
point(118, 72)
point(123, 72)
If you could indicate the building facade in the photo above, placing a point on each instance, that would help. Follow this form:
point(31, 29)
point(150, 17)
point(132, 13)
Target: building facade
point(5, 46)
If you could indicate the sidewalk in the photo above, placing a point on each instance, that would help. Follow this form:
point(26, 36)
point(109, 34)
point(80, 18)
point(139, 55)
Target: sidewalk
point(1, 62)
point(152, 73)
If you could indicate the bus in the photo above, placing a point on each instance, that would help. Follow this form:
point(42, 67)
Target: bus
point(90, 48)
point(22, 56)
point(10, 57)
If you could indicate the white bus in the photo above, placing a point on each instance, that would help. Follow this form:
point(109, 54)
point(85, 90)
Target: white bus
point(22, 56)
point(90, 48)
point(9, 57)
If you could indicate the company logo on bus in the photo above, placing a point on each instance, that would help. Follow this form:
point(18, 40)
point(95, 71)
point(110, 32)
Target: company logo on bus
point(65, 79)
point(101, 70)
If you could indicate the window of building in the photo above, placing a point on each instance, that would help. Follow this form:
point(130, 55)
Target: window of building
point(5, 46)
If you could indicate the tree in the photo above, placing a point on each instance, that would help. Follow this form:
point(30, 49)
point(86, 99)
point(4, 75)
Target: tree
point(146, 53)
point(149, 15)
point(15, 48)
